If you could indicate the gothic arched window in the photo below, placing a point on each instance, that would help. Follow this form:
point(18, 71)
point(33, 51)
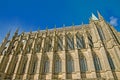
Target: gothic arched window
point(48, 44)
point(112, 66)
point(14, 65)
point(100, 32)
point(34, 65)
point(80, 41)
point(97, 63)
point(70, 64)
point(70, 41)
point(60, 43)
point(46, 66)
point(83, 64)
point(38, 45)
point(57, 64)
point(90, 40)
point(23, 66)
point(29, 46)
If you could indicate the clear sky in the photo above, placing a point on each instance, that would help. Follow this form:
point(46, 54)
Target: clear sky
point(29, 15)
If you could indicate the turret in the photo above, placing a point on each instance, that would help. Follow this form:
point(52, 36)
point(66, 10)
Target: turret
point(5, 41)
point(100, 16)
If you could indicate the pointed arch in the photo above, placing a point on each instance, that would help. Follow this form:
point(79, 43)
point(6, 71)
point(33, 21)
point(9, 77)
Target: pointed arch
point(14, 65)
point(45, 64)
point(70, 41)
point(80, 41)
point(24, 63)
point(90, 41)
point(97, 63)
point(100, 32)
point(38, 45)
point(57, 64)
point(59, 42)
point(111, 63)
point(83, 63)
point(33, 66)
point(48, 43)
point(70, 64)
point(29, 46)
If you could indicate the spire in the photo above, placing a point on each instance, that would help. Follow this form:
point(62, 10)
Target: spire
point(47, 32)
point(47, 28)
point(39, 29)
point(94, 17)
point(99, 15)
point(8, 34)
point(54, 27)
point(16, 33)
point(73, 24)
point(17, 30)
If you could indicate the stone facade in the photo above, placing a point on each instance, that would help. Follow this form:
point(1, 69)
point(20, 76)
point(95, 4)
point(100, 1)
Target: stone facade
point(84, 52)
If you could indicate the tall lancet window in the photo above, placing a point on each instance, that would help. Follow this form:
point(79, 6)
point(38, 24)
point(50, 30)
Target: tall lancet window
point(23, 68)
point(80, 41)
point(38, 45)
point(97, 63)
point(70, 41)
point(100, 32)
point(29, 46)
point(57, 64)
point(70, 64)
point(34, 65)
point(112, 66)
point(83, 63)
point(90, 40)
point(45, 64)
point(60, 43)
point(48, 44)
point(14, 65)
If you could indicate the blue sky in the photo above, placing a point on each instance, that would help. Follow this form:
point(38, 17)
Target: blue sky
point(33, 14)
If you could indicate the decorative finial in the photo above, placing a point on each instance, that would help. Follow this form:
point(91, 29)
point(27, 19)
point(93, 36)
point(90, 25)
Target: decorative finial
point(46, 27)
point(72, 23)
point(99, 15)
point(8, 34)
point(16, 32)
point(39, 29)
point(46, 30)
point(54, 26)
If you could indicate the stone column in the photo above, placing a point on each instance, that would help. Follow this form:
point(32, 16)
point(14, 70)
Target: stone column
point(77, 74)
point(42, 44)
point(64, 57)
point(116, 59)
point(37, 74)
point(89, 59)
point(9, 64)
point(17, 67)
point(94, 32)
point(1, 59)
point(109, 74)
point(77, 66)
point(91, 67)
point(50, 55)
point(49, 74)
point(29, 56)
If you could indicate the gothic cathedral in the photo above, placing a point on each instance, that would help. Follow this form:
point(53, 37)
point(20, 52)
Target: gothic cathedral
point(79, 52)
